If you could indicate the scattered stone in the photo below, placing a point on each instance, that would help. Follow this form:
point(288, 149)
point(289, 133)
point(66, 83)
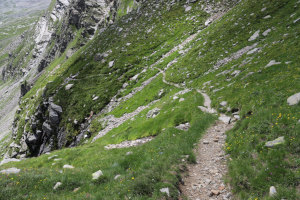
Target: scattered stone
point(10, 171)
point(117, 177)
point(205, 142)
point(7, 160)
point(253, 51)
point(111, 64)
point(207, 22)
point(181, 99)
point(76, 189)
point(271, 63)
point(184, 127)
point(275, 142)
point(272, 191)
point(175, 97)
point(165, 190)
point(267, 17)
point(128, 153)
point(153, 113)
point(95, 98)
point(223, 103)
point(254, 36)
point(52, 157)
point(214, 193)
point(127, 144)
point(57, 159)
point(69, 86)
point(97, 174)
point(294, 99)
point(56, 108)
point(296, 20)
point(207, 110)
point(188, 8)
point(266, 32)
point(68, 167)
point(225, 119)
point(237, 117)
point(57, 185)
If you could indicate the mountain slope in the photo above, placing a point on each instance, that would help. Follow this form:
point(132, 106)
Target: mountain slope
point(138, 78)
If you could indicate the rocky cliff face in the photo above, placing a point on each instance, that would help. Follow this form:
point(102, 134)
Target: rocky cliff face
point(50, 39)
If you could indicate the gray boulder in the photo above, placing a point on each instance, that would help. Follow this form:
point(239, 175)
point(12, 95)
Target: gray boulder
point(9, 160)
point(56, 108)
point(153, 113)
point(272, 191)
point(183, 127)
point(275, 142)
point(47, 128)
point(294, 99)
point(97, 174)
point(53, 117)
point(225, 119)
point(10, 171)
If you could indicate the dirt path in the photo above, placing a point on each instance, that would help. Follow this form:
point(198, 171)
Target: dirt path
point(205, 178)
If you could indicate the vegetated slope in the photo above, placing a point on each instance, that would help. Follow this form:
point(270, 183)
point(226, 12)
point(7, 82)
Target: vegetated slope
point(222, 59)
point(257, 81)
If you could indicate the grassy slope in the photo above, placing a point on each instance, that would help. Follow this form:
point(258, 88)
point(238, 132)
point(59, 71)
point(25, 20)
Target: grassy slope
point(260, 97)
point(94, 77)
point(253, 168)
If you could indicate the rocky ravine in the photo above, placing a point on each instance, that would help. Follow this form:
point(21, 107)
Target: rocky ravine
point(55, 27)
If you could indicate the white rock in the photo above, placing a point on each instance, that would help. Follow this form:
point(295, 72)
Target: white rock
point(57, 185)
point(4, 161)
point(296, 20)
point(207, 22)
point(165, 190)
point(272, 191)
point(97, 174)
point(237, 117)
point(266, 32)
point(253, 51)
point(271, 63)
point(69, 86)
point(275, 142)
point(128, 153)
point(175, 97)
point(188, 8)
point(181, 99)
point(111, 64)
point(267, 17)
point(68, 167)
point(117, 176)
point(294, 99)
point(254, 36)
point(262, 10)
point(95, 98)
point(10, 171)
point(223, 103)
point(225, 119)
point(52, 157)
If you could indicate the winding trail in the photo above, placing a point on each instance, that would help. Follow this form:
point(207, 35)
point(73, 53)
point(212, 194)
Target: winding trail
point(205, 179)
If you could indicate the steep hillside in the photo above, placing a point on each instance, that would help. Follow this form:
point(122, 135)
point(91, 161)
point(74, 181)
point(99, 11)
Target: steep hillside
point(131, 95)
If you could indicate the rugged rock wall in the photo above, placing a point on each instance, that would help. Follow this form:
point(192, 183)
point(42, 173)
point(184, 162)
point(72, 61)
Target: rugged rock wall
point(52, 34)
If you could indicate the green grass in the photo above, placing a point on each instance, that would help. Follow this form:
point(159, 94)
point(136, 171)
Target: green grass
point(94, 77)
point(143, 173)
point(254, 168)
point(261, 99)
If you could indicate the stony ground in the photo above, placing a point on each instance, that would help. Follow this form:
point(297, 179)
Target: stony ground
point(205, 178)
